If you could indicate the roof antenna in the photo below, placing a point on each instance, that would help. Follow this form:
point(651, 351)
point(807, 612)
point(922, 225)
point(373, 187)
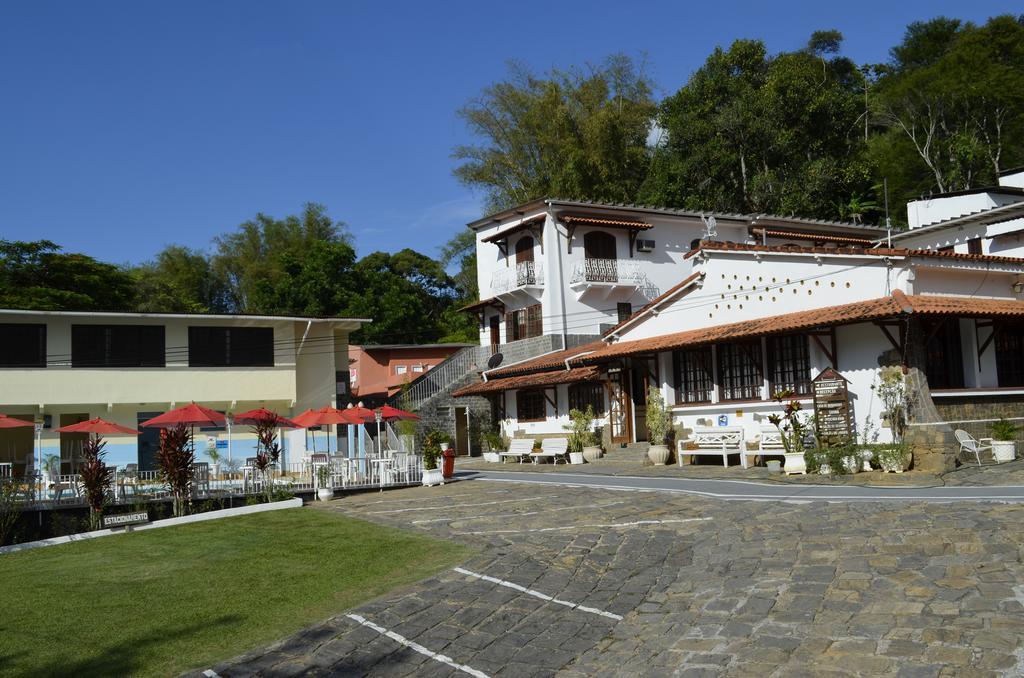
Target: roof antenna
point(888, 222)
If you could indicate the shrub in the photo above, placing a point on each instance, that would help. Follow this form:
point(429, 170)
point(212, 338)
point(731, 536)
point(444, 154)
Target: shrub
point(268, 451)
point(659, 421)
point(175, 459)
point(791, 425)
point(581, 429)
point(493, 440)
point(890, 387)
point(10, 509)
point(1004, 430)
point(432, 447)
point(96, 478)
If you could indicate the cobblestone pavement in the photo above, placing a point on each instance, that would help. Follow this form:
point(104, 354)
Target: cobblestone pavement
point(649, 583)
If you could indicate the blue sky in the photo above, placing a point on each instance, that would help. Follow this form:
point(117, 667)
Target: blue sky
point(127, 126)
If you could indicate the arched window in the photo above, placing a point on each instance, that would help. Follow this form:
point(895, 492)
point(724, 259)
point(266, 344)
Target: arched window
point(599, 245)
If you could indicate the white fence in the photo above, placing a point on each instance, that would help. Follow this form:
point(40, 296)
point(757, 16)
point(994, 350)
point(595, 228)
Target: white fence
point(613, 271)
point(523, 274)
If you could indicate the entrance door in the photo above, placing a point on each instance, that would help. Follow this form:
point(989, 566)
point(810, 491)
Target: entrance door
point(524, 262)
point(149, 442)
point(643, 375)
point(599, 252)
point(461, 430)
point(618, 406)
point(495, 333)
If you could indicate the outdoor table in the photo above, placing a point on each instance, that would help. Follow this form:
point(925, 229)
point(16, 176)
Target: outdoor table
point(381, 465)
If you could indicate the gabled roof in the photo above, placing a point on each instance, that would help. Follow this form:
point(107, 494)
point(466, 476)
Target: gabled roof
point(996, 215)
point(544, 362)
point(668, 294)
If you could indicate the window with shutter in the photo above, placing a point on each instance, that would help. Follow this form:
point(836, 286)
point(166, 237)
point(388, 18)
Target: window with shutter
point(530, 405)
point(231, 346)
point(118, 346)
point(789, 364)
point(693, 375)
point(739, 370)
point(24, 345)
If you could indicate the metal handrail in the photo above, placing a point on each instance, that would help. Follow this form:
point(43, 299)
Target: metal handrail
point(607, 271)
point(523, 274)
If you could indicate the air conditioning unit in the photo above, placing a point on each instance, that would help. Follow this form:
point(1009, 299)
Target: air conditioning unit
point(644, 245)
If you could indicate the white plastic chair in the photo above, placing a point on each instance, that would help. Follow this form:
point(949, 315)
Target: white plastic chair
point(969, 445)
point(200, 478)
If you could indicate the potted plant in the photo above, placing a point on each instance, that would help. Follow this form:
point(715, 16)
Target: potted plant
point(493, 441)
point(793, 430)
point(894, 457)
point(581, 436)
point(658, 423)
point(1004, 436)
point(214, 454)
point(323, 490)
point(432, 442)
point(774, 465)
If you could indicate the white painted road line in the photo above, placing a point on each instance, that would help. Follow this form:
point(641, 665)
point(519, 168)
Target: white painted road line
point(635, 523)
point(402, 640)
point(486, 503)
point(459, 519)
point(538, 594)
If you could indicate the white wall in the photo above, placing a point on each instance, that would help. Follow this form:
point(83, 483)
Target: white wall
point(932, 210)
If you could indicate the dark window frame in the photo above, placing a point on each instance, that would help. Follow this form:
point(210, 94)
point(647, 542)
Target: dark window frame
point(524, 323)
point(583, 393)
point(1009, 353)
point(15, 357)
point(531, 398)
point(789, 364)
point(103, 346)
point(624, 309)
point(944, 359)
point(225, 346)
point(740, 370)
point(694, 374)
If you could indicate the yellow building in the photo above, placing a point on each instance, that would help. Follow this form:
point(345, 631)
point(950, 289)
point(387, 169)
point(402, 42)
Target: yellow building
point(58, 368)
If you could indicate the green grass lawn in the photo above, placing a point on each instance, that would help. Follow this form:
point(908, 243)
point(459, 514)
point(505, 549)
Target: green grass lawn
point(162, 601)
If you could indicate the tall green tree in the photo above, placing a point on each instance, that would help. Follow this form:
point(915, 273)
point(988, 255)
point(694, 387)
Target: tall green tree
point(179, 280)
point(39, 276)
point(952, 102)
point(574, 134)
point(753, 132)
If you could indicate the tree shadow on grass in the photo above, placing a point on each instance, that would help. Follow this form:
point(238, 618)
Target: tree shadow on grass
point(124, 658)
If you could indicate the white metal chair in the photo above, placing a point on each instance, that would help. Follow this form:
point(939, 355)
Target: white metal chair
point(249, 475)
point(971, 446)
point(59, 483)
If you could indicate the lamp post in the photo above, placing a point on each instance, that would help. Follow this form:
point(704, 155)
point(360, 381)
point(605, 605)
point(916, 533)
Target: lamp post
point(377, 417)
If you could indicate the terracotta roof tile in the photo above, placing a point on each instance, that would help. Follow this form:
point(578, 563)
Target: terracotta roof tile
point(530, 380)
point(715, 246)
point(544, 362)
point(573, 218)
point(804, 235)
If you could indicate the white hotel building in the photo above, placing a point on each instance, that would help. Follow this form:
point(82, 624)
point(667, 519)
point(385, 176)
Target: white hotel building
point(58, 368)
point(720, 320)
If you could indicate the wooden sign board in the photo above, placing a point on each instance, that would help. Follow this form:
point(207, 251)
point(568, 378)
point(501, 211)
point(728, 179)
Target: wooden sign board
point(832, 406)
point(125, 519)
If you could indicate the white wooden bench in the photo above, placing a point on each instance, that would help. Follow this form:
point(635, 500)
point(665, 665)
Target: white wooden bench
point(518, 448)
point(715, 441)
point(554, 449)
point(770, 442)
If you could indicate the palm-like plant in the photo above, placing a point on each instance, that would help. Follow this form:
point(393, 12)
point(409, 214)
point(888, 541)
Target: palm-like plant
point(268, 451)
point(96, 478)
point(176, 458)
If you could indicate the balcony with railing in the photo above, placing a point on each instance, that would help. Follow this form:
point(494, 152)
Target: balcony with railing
point(607, 272)
point(523, 276)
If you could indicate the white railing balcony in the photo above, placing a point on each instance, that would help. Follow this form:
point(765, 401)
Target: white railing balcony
point(524, 274)
point(608, 272)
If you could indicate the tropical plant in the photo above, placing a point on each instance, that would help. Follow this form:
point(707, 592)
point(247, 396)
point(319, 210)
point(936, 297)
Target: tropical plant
point(792, 426)
point(10, 509)
point(581, 429)
point(322, 476)
point(1004, 430)
point(96, 478)
point(268, 450)
point(175, 458)
point(51, 464)
point(493, 440)
point(213, 453)
point(890, 387)
point(432, 447)
point(659, 421)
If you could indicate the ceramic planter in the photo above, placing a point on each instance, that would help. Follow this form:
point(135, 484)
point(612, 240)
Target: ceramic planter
point(825, 470)
point(899, 466)
point(325, 494)
point(658, 454)
point(866, 456)
point(591, 454)
point(851, 465)
point(492, 457)
point(432, 477)
point(575, 457)
point(1004, 450)
point(774, 465)
point(795, 463)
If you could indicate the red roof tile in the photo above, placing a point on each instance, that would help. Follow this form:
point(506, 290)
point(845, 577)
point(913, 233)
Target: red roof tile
point(551, 378)
point(598, 221)
point(544, 362)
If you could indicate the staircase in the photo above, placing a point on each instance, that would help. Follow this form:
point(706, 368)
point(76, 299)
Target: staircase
point(631, 452)
point(430, 396)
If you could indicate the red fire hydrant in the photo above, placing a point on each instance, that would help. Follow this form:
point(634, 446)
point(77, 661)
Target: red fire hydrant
point(448, 464)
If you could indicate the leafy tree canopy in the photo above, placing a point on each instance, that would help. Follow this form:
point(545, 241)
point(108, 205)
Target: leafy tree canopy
point(39, 276)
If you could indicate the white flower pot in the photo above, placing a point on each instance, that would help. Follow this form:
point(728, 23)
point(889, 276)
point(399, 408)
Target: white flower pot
point(576, 458)
point(890, 466)
point(774, 466)
point(215, 470)
point(445, 446)
point(851, 465)
point(866, 456)
point(795, 463)
point(432, 477)
point(658, 454)
point(825, 469)
point(492, 457)
point(1004, 450)
point(591, 454)
point(325, 494)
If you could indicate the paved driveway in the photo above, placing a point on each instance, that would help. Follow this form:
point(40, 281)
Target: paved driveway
point(593, 581)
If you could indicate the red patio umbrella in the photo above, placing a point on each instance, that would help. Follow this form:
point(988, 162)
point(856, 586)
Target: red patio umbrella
point(324, 416)
point(388, 413)
point(252, 417)
point(97, 425)
point(195, 415)
point(13, 422)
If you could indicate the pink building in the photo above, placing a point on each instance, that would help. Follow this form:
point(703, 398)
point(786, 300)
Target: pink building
point(378, 372)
